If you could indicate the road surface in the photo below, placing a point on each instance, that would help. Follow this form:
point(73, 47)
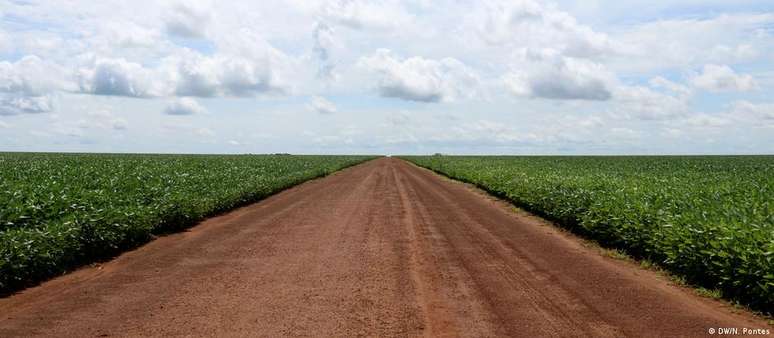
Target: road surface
point(380, 249)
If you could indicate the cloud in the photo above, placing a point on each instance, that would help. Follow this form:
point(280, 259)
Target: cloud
point(721, 78)
point(705, 121)
point(359, 14)
point(225, 76)
point(188, 19)
point(420, 79)
point(674, 43)
point(449, 51)
point(496, 131)
point(473, 133)
point(549, 75)
point(759, 111)
point(324, 42)
point(119, 77)
point(243, 77)
point(322, 106)
point(740, 114)
point(128, 34)
point(27, 85)
point(102, 119)
point(187, 74)
point(245, 66)
point(740, 52)
point(31, 76)
point(184, 106)
point(14, 105)
point(647, 103)
point(674, 87)
point(120, 124)
point(532, 24)
point(197, 76)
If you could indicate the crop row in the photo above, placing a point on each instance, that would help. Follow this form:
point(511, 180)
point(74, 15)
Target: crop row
point(709, 219)
point(58, 211)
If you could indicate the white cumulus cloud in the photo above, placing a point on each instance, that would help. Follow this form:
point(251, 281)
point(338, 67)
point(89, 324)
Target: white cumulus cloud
point(13, 105)
point(184, 106)
point(533, 24)
point(243, 77)
point(420, 79)
point(189, 73)
point(721, 78)
point(119, 77)
point(31, 76)
point(188, 19)
point(550, 75)
point(28, 85)
point(322, 105)
point(246, 65)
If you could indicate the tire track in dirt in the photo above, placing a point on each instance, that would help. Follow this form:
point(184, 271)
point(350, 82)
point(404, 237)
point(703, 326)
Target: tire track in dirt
point(380, 249)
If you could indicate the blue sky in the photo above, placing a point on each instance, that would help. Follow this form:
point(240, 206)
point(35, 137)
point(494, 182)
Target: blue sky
point(388, 77)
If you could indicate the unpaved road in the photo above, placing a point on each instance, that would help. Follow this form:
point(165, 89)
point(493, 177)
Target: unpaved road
point(380, 249)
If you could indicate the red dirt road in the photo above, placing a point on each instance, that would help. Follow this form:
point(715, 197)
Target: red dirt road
point(379, 249)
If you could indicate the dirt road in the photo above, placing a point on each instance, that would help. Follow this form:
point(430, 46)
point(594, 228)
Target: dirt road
point(380, 249)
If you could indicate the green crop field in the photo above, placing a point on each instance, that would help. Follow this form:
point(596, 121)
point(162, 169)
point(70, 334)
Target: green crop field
point(709, 219)
point(58, 211)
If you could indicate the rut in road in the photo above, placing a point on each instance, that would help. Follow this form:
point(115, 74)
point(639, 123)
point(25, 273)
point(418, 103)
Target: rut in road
point(380, 249)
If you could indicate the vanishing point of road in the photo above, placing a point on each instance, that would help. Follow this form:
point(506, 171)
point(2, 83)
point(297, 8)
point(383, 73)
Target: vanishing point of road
point(380, 249)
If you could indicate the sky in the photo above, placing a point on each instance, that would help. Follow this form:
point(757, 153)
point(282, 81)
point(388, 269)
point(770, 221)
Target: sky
point(388, 76)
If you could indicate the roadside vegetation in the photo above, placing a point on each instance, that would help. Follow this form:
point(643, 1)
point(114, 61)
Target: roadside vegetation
point(59, 211)
point(708, 219)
